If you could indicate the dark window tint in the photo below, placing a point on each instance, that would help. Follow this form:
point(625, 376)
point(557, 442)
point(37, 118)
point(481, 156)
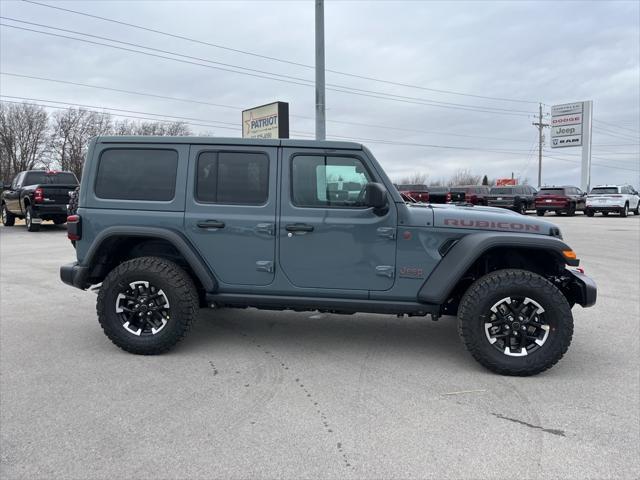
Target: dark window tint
point(412, 188)
point(502, 191)
point(137, 174)
point(319, 181)
point(603, 190)
point(50, 178)
point(233, 178)
point(551, 191)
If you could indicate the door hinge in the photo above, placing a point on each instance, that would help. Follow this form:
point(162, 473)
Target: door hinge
point(264, 266)
point(387, 232)
point(385, 270)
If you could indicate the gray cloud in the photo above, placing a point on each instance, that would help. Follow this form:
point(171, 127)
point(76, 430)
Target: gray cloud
point(552, 52)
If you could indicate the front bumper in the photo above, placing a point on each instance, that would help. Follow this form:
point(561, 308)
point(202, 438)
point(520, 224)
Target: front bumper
point(75, 275)
point(583, 289)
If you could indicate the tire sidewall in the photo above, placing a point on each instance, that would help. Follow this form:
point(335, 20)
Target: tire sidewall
point(113, 325)
point(557, 315)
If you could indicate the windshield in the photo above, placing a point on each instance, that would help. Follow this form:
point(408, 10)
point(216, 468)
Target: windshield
point(50, 178)
point(551, 191)
point(603, 190)
point(504, 190)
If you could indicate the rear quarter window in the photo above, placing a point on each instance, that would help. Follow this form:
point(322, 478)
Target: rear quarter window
point(137, 174)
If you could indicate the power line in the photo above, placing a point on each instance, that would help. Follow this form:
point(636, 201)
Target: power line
point(235, 107)
point(637, 132)
point(262, 73)
point(266, 57)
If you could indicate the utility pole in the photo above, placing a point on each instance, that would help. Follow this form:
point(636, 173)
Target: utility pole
point(320, 90)
point(540, 126)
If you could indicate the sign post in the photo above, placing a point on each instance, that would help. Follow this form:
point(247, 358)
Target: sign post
point(266, 121)
point(571, 127)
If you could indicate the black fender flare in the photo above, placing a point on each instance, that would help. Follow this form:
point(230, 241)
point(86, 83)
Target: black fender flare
point(179, 241)
point(444, 277)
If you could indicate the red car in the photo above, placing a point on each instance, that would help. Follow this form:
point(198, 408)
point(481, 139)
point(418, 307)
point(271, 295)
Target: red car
point(560, 200)
point(419, 193)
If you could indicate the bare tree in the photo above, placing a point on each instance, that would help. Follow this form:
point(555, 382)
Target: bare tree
point(23, 138)
point(463, 176)
point(127, 127)
point(72, 130)
point(416, 178)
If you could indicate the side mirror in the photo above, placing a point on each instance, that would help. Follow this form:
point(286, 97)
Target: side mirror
point(375, 195)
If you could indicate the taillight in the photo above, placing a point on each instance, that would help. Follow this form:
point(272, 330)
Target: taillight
point(38, 195)
point(74, 227)
point(448, 197)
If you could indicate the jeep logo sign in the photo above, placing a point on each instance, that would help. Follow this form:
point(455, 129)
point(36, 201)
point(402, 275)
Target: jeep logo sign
point(266, 121)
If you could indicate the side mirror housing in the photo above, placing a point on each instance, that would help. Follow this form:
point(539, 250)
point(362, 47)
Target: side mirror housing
point(375, 196)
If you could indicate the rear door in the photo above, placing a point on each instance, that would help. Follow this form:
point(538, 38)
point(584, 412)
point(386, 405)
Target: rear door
point(230, 212)
point(328, 240)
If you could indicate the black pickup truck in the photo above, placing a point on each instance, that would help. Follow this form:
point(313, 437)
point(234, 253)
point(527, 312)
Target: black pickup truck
point(37, 195)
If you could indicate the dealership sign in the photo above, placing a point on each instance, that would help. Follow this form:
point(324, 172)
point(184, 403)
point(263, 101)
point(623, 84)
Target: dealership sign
point(566, 125)
point(571, 127)
point(266, 121)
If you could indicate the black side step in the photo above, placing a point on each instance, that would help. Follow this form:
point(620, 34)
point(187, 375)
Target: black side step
point(338, 305)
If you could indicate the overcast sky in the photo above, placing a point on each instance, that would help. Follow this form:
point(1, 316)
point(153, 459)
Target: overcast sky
point(550, 52)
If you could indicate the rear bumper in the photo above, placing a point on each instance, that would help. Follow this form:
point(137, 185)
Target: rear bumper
point(49, 210)
point(605, 208)
point(583, 289)
point(75, 275)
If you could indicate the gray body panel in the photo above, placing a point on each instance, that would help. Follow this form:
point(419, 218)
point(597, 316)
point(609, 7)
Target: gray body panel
point(352, 255)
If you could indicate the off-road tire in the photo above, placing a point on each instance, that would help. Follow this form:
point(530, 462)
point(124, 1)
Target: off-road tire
point(540, 213)
point(72, 209)
point(624, 211)
point(589, 212)
point(165, 274)
point(485, 292)
point(8, 218)
point(28, 220)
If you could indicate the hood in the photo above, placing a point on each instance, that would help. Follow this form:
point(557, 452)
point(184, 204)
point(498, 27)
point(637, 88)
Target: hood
point(468, 217)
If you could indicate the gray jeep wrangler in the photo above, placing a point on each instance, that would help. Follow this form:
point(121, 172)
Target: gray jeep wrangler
point(167, 225)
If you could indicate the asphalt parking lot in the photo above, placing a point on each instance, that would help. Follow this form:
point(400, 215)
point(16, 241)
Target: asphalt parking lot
point(253, 394)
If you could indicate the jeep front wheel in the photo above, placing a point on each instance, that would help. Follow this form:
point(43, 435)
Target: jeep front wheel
point(147, 305)
point(515, 322)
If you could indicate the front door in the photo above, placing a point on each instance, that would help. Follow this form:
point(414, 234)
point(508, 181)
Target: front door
point(327, 238)
point(230, 213)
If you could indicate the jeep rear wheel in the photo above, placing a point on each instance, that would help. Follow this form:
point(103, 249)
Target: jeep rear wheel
point(8, 218)
point(147, 305)
point(515, 322)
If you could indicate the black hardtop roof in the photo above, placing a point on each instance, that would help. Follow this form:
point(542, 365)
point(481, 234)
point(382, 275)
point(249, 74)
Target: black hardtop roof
point(285, 142)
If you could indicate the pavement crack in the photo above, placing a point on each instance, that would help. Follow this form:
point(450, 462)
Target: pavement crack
point(552, 431)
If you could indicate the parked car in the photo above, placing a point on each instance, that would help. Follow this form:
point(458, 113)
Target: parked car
point(473, 194)
point(444, 195)
point(37, 195)
point(566, 199)
point(419, 193)
point(613, 199)
point(519, 198)
point(166, 225)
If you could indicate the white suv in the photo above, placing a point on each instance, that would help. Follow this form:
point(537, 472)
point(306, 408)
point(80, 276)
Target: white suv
point(613, 198)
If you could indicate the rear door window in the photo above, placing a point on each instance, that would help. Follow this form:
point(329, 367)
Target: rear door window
point(137, 174)
point(235, 178)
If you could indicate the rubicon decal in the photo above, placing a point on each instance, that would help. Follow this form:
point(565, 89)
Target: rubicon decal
point(515, 226)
